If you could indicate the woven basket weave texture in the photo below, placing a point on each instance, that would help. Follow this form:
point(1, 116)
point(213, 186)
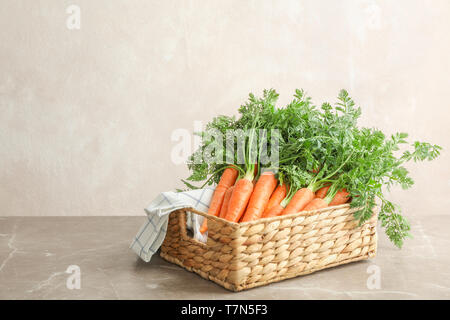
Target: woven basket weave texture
point(240, 256)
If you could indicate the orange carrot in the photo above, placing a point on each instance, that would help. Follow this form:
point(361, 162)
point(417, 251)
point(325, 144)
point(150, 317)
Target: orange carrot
point(242, 216)
point(239, 199)
point(276, 210)
point(226, 200)
point(277, 196)
point(260, 196)
point(322, 192)
point(341, 197)
point(228, 178)
point(333, 198)
point(300, 199)
point(315, 204)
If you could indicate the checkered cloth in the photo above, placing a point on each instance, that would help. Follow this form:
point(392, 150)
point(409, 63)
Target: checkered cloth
point(153, 231)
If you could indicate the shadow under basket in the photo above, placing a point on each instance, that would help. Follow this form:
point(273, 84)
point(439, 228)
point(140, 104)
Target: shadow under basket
point(241, 256)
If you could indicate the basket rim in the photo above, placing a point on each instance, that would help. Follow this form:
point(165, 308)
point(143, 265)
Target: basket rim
point(269, 219)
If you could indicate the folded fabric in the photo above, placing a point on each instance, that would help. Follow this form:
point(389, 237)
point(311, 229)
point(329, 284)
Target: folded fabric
point(152, 233)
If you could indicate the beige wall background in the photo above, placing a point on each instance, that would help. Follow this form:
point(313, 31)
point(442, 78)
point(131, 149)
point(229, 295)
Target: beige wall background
point(86, 116)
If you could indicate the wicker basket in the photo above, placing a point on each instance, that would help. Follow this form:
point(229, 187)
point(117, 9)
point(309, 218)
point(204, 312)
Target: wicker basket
point(240, 256)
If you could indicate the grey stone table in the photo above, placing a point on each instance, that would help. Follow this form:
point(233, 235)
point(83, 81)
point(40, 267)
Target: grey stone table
point(36, 252)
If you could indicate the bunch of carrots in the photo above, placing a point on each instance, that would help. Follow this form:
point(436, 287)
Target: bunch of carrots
point(245, 199)
point(324, 159)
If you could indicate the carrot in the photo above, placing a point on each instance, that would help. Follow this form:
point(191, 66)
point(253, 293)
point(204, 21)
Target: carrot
point(322, 192)
point(341, 197)
point(227, 179)
point(275, 199)
point(260, 196)
point(242, 216)
point(244, 187)
point(226, 200)
point(333, 198)
point(239, 199)
point(300, 199)
point(316, 204)
point(276, 210)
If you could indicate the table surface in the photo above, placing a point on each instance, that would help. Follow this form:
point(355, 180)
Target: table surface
point(35, 253)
